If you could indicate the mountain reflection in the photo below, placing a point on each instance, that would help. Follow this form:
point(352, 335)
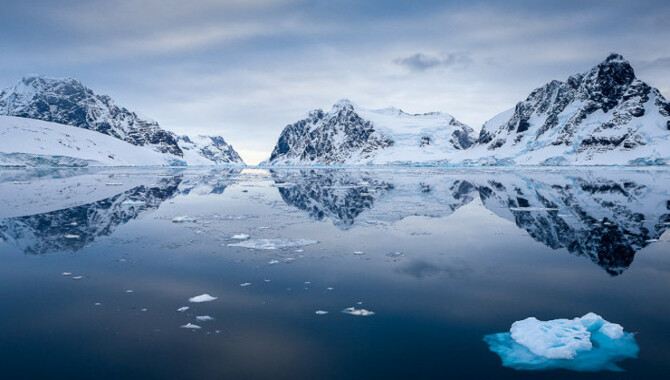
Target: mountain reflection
point(606, 217)
point(71, 229)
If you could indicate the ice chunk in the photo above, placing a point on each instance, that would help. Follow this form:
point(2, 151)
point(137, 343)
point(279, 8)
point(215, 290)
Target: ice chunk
point(273, 262)
point(72, 236)
point(183, 219)
point(320, 312)
point(358, 312)
point(77, 277)
point(395, 255)
point(271, 244)
point(202, 298)
point(204, 318)
point(183, 309)
point(358, 253)
point(240, 237)
point(587, 343)
point(190, 326)
point(245, 284)
point(66, 274)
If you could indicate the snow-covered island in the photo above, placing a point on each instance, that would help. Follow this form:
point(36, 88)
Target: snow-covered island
point(604, 116)
point(61, 122)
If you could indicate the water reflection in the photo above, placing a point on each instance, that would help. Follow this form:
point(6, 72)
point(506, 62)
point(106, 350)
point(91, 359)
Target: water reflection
point(605, 216)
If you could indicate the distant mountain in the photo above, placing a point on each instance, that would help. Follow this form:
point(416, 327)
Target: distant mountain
point(604, 116)
point(352, 135)
point(207, 150)
point(68, 101)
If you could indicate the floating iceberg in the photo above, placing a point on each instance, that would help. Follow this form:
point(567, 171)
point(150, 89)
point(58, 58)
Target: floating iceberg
point(190, 326)
point(202, 298)
point(183, 309)
point(240, 237)
point(588, 343)
point(358, 312)
point(204, 318)
point(271, 244)
point(320, 312)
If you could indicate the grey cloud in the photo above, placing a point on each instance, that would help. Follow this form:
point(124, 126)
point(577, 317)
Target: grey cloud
point(423, 62)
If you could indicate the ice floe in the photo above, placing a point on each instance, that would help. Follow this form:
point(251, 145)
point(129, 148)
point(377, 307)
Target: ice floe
point(587, 343)
point(72, 236)
point(245, 284)
point(358, 312)
point(183, 309)
point(77, 277)
point(320, 312)
point(202, 298)
point(66, 274)
point(273, 262)
point(240, 237)
point(272, 244)
point(183, 219)
point(204, 318)
point(190, 326)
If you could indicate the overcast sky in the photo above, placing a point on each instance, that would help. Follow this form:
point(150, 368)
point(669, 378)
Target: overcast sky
point(243, 69)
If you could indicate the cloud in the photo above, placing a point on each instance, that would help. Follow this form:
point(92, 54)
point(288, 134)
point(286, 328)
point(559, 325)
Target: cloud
point(421, 62)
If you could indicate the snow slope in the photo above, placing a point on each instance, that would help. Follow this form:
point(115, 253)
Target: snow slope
point(208, 150)
point(352, 135)
point(29, 142)
point(604, 116)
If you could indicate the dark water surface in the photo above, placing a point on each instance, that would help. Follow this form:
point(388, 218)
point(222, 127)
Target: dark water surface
point(442, 257)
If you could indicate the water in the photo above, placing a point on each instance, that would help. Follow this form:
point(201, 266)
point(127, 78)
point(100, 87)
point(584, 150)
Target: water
point(442, 257)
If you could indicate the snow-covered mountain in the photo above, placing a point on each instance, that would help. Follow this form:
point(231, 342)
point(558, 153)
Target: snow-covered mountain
point(29, 142)
point(208, 150)
point(604, 116)
point(68, 101)
point(352, 135)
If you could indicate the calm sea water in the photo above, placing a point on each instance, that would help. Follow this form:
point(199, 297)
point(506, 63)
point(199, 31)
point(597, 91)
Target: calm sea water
point(94, 264)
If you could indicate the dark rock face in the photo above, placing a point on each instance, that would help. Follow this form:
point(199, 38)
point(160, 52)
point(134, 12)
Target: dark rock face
point(330, 138)
point(68, 101)
point(593, 111)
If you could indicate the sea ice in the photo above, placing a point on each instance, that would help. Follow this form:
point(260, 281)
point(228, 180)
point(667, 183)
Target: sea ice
point(320, 312)
point(358, 312)
point(202, 298)
point(358, 253)
point(203, 318)
point(245, 284)
point(72, 236)
point(182, 309)
point(272, 244)
point(77, 277)
point(190, 326)
point(587, 343)
point(240, 237)
point(273, 262)
point(183, 219)
point(66, 274)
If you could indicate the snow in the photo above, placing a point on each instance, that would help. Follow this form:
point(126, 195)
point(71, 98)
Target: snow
point(358, 312)
point(202, 298)
point(29, 142)
point(272, 244)
point(587, 343)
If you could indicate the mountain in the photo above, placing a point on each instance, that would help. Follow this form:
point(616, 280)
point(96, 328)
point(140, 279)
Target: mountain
point(208, 150)
point(351, 135)
point(68, 101)
point(604, 116)
point(28, 142)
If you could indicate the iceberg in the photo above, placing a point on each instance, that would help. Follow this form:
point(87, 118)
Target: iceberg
point(358, 312)
point(272, 244)
point(202, 298)
point(587, 343)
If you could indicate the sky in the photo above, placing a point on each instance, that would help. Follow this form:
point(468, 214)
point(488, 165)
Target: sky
point(244, 69)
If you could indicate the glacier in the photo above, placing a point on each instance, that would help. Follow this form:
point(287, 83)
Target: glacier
point(587, 343)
